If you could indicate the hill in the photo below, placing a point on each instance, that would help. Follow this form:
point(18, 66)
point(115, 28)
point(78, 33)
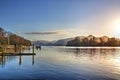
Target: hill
point(12, 39)
point(94, 41)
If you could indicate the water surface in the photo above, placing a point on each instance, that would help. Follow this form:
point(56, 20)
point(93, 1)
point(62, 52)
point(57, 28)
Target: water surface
point(64, 63)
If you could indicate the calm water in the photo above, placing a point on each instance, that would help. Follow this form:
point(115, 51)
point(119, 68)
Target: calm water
point(63, 63)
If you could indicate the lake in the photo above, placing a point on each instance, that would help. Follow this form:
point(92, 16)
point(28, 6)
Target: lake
point(64, 63)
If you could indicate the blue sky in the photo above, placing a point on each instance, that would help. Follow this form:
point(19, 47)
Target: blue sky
point(62, 18)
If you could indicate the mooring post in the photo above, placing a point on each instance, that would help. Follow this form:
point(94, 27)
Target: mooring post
point(5, 49)
point(33, 55)
point(33, 48)
point(3, 61)
point(15, 48)
point(20, 48)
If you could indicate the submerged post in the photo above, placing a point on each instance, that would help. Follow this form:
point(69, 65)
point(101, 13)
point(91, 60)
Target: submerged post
point(3, 61)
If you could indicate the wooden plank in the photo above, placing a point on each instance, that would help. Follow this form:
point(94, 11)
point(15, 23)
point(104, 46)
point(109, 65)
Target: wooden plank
point(16, 54)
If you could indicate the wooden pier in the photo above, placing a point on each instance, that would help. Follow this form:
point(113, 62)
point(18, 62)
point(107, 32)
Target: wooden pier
point(17, 54)
point(14, 53)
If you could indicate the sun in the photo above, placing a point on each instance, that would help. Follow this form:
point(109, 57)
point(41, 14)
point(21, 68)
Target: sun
point(117, 27)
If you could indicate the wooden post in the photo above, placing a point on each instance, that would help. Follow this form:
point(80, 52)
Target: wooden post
point(33, 55)
point(15, 48)
point(5, 49)
point(33, 48)
point(3, 60)
point(20, 58)
point(20, 48)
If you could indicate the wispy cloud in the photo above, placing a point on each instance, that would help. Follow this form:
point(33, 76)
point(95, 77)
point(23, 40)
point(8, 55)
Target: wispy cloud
point(44, 33)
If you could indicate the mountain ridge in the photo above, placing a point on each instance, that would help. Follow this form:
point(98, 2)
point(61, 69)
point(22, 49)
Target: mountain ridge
point(60, 42)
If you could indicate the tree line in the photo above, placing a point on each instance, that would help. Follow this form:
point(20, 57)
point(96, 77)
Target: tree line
point(94, 41)
point(12, 39)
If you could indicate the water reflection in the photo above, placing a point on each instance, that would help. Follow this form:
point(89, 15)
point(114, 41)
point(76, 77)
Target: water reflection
point(20, 60)
point(90, 63)
point(33, 60)
point(93, 52)
point(54, 63)
point(4, 59)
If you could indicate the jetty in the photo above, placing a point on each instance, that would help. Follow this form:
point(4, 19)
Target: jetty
point(14, 53)
point(17, 54)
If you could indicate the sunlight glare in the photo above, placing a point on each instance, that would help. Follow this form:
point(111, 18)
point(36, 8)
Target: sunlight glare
point(117, 27)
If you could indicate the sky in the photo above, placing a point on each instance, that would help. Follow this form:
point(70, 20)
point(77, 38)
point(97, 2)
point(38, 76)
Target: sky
point(58, 19)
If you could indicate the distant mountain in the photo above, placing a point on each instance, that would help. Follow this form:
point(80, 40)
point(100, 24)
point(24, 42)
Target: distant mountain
point(61, 42)
point(43, 43)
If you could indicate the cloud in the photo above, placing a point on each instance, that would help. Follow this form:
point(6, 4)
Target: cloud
point(44, 33)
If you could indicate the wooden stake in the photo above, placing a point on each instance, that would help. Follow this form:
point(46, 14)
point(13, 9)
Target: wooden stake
point(33, 48)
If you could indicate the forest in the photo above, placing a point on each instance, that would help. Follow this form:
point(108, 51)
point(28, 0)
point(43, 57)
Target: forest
point(9, 38)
